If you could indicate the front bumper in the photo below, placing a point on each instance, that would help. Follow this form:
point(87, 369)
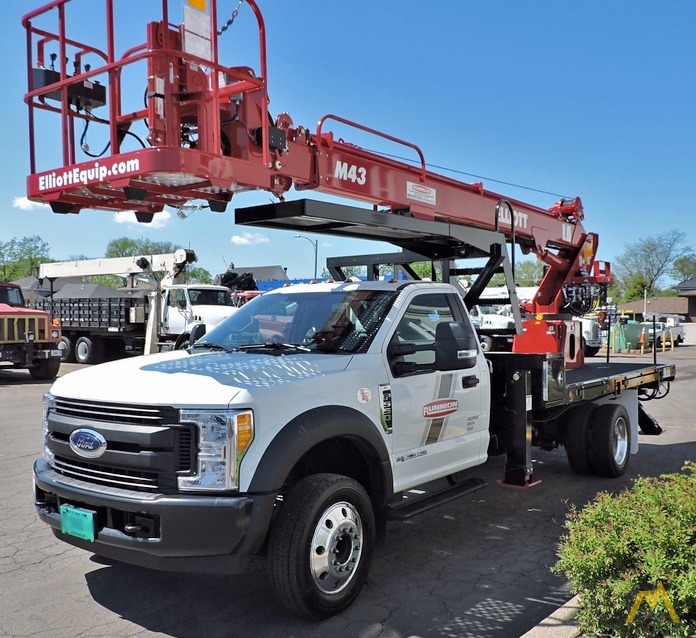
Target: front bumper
point(22, 355)
point(193, 533)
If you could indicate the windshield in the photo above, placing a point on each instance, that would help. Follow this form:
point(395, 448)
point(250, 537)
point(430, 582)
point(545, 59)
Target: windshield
point(207, 297)
point(322, 321)
point(11, 296)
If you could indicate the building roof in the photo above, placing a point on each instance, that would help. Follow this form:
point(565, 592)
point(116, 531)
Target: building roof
point(43, 286)
point(687, 284)
point(658, 306)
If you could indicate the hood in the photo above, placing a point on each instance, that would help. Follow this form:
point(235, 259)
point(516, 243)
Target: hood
point(17, 310)
point(202, 379)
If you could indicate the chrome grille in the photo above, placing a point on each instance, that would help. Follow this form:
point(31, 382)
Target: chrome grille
point(105, 475)
point(117, 412)
point(147, 448)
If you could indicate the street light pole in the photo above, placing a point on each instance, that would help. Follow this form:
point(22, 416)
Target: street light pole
point(315, 246)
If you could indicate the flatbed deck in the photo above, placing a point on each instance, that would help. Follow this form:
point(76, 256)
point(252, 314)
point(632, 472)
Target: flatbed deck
point(598, 379)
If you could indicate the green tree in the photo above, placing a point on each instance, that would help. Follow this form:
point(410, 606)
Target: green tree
point(198, 275)
point(128, 247)
point(651, 259)
point(684, 268)
point(635, 289)
point(21, 257)
point(8, 252)
point(529, 273)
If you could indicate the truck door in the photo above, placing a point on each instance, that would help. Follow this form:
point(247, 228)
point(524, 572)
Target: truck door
point(439, 418)
point(178, 311)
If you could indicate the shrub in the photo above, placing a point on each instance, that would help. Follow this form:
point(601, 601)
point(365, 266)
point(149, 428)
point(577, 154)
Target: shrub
point(620, 545)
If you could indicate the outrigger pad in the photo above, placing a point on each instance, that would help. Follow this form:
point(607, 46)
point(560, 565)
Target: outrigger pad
point(647, 423)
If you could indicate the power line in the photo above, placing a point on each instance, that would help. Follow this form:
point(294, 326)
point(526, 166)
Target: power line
point(458, 172)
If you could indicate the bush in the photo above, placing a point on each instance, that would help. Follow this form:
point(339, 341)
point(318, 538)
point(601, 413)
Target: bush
point(620, 545)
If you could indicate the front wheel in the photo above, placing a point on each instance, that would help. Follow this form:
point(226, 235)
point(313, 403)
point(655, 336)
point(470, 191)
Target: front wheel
point(45, 370)
point(589, 351)
point(321, 545)
point(486, 343)
point(183, 341)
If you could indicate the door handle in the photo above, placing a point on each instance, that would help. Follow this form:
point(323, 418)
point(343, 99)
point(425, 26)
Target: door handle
point(470, 382)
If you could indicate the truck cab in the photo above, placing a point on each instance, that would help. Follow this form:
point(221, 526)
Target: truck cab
point(28, 337)
point(382, 385)
point(187, 304)
point(495, 326)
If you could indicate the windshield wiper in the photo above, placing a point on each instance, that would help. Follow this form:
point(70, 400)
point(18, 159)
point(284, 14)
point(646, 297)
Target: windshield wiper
point(208, 345)
point(278, 348)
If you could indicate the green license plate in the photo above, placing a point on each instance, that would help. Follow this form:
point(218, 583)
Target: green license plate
point(77, 522)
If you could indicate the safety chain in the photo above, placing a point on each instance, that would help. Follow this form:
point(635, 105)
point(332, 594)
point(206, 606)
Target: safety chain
point(228, 24)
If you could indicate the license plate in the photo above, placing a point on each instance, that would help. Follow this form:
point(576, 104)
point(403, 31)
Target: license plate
point(55, 353)
point(77, 522)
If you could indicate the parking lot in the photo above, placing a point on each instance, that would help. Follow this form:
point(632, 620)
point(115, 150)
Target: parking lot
point(476, 567)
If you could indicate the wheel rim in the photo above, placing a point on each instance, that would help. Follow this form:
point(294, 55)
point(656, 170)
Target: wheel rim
point(620, 441)
point(64, 353)
point(336, 548)
point(82, 351)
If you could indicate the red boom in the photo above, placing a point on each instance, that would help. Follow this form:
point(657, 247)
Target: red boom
point(209, 136)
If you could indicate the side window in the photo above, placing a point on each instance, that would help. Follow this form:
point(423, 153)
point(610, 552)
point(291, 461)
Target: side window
point(418, 325)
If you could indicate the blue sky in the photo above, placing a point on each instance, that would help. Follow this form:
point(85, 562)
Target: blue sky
point(591, 98)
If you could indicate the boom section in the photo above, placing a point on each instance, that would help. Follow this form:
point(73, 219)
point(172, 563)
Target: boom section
point(201, 131)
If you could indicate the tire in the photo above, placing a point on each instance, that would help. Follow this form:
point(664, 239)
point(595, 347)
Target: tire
point(589, 351)
point(321, 545)
point(182, 341)
point(46, 370)
point(67, 351)
point(610, 441)
point(89, 350)
point(486, 343)
point(577, 438)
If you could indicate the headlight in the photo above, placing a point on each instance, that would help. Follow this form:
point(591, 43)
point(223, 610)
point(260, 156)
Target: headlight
point(223, 438)
point(49, 403)
point(55, 334)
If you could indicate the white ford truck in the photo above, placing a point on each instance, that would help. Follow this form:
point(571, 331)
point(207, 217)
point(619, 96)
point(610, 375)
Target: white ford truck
point(293, 430)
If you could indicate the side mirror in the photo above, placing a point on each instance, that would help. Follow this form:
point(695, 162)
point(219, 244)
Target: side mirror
point(197, 331)
point(456, 347)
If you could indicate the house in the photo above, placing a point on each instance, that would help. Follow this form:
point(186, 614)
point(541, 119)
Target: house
point(660, 307)
point(687, 291)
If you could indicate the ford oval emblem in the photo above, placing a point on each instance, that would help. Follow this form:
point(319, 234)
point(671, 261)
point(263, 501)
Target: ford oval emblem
point(87, 443)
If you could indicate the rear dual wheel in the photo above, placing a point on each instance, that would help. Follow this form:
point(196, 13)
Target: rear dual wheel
point(598, 440)
point(610, 439)
point(67, 350)
point(89, 350)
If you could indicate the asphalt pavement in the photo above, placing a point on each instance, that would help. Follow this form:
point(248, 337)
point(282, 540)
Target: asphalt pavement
point(476, 567)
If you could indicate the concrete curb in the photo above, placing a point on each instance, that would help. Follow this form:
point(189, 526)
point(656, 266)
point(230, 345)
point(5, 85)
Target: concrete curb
point(560, 624)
